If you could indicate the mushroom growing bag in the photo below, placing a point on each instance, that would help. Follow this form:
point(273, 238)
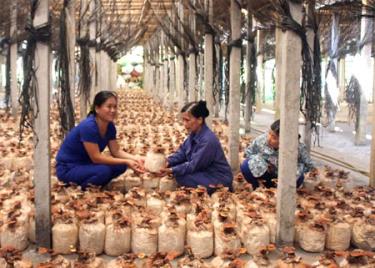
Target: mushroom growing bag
point(118, 236)
point(155, 160)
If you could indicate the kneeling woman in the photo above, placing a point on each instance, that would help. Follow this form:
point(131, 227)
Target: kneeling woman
point(200, 160)
point(80, 159)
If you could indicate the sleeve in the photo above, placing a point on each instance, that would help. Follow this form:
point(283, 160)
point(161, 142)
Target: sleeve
point(252, 149)
point(111, 132)
point(304, 160)
point(201, 159)
point(89, 133)
point(257, 164)
point(178, 157)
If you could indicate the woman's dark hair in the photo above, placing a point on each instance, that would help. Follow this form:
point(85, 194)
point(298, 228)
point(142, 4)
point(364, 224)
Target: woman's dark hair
point(275, 127)
point(197, 109)
point(100, 98)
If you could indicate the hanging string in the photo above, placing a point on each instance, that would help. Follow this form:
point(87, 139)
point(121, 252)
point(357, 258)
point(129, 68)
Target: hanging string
point(84, 69)
point(64, 99)
point(7, 80)
point(28, 98)
point(310, 102)
point(353, 98)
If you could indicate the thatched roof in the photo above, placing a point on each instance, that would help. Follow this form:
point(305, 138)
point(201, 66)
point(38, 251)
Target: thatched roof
point(139, 19)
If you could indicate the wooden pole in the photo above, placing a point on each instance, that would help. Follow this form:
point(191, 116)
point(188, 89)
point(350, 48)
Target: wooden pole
point(92, 49)
point(217, 79)
point(180, 60)
point(161, 67)
point(2, 63)
point(278, 65)
point(208, 64)
point(98, 22)
point(83, 34)
point(260, 70)
point(71, 36)
point(193, 93)
point(14, 92)
point(42, 160)
point(372, 159)
point(201, 76)
point(249, 59)
point(165, 70)
point(234, 80)
point(290, 48)
point(331, 80)
point(342, 78)
point(310, 40)
point(364, 75)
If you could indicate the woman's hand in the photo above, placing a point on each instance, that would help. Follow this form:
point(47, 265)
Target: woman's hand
point(134, 165)
point(164, 172)
point(141, 160)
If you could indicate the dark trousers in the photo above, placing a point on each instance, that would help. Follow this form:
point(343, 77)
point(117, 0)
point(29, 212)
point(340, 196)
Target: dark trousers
point(86, 174)
point(266, 177)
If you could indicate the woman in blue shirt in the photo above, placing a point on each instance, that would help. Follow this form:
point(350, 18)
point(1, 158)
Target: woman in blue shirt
point(200, 160)
point(80, 159)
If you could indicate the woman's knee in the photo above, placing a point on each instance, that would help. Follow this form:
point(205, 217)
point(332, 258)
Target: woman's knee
point(117, 170)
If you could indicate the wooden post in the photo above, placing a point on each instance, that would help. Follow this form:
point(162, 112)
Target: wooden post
point(217, 79)
point(193, 93)
point(310, 40)
point(71, 36)
point(278, 65)
point(172, 80)
point(331, 91)
point(161, 66)
point(260, 70)
point(114, 63)
point(181, 65)
point(165, 71)
point(208, 64)
point(249, 58)
point(2, 63)
point(201, 57)
point(290, 48)
point(42, 160)
point(83, 34)
point(110, 70)
point(157, 68)
point(372, 159)
point(234, 80)
point(364, 75)
point(92, 49)
point(98, 22)
point(105, 70)
point(14, 92)
point(342, 78)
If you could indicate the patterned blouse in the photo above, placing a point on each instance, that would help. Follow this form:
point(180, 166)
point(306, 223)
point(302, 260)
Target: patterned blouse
point(260, 155)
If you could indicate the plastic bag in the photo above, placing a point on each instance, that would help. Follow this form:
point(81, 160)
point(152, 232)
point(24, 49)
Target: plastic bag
point(155, 160)
point(171, 235)
point(92, 237)
point(226, 238)
point(64, 237)
point(118, 237)
point(338, 236)
point(363, 234)
point(311, 236)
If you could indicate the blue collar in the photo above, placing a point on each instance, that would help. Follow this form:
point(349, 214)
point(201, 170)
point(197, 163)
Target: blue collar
point(197, 136)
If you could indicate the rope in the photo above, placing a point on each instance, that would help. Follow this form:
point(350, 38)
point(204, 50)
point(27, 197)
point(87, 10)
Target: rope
point(310, 103)
point(7, 80)
point(28, 98)
point(353, 98)
point(64, 99)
